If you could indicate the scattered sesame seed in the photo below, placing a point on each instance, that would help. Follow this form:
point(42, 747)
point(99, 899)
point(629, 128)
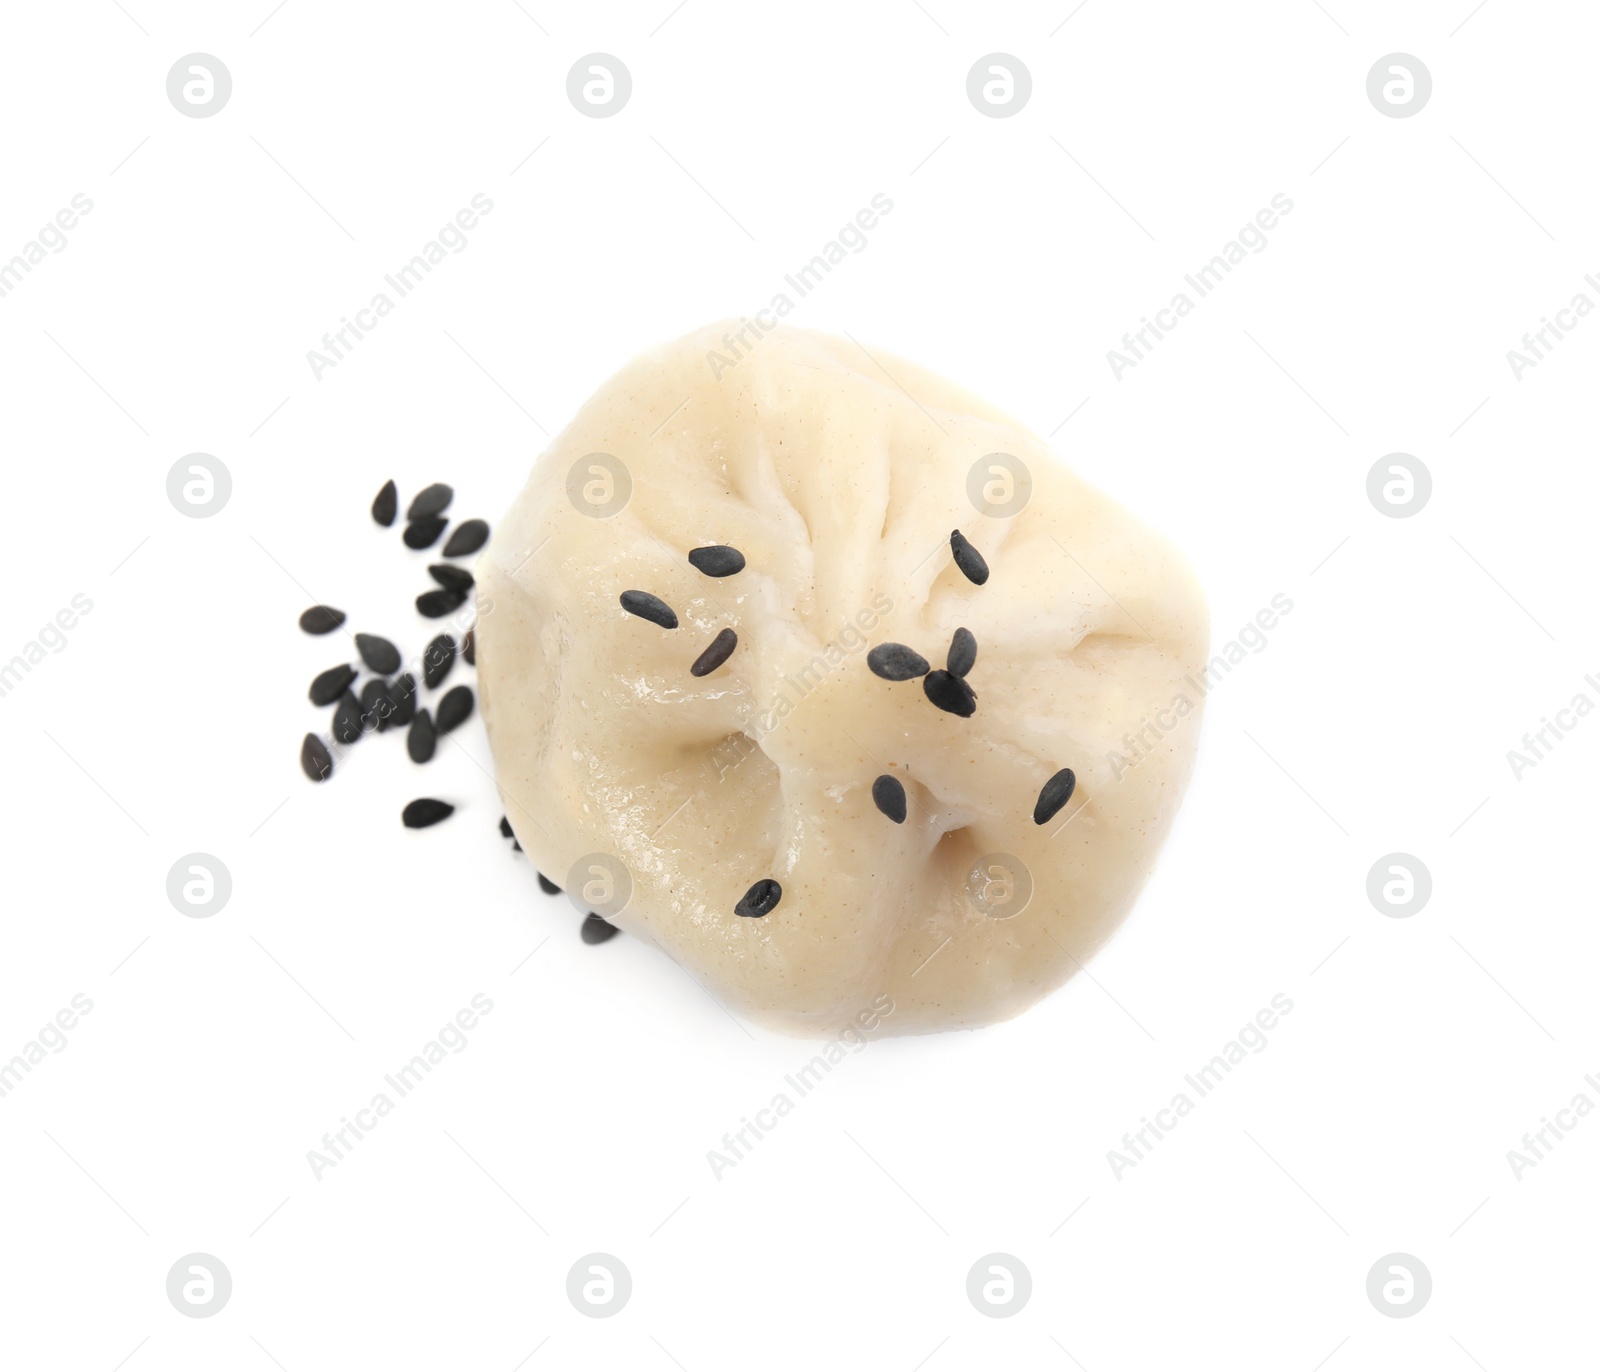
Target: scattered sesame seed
point(505, 828)
point(376, 707)
point(437, 660)
point(547, 886)
point(347, 719)
point(455, 707)
point(437, 604)
point(321, 619)
point(968, 558)
point(380, 655)
point(717, 560)
point(720, 651)
point(1053, 795)
point(950, 693)
point(963, 652)
point(896, 662)
point(328, 686)
point(890, 797)
point(419, 814)
point(468, 537)
point(451, 577)
point(403, 692)
point(761, 899)
point(421, 739)
point(596, 930)
point(385, 503)
point(430, 500)
point(650, 607)
point(315, 761)
point(469, 646)
point(425, 532)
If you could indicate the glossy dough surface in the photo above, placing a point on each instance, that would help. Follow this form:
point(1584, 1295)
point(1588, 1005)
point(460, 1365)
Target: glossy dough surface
point(839, 476)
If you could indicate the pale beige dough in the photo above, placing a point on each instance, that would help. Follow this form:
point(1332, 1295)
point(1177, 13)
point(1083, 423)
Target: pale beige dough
point(839, 476)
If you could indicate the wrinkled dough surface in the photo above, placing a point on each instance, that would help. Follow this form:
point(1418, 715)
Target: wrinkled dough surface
point(839, 477)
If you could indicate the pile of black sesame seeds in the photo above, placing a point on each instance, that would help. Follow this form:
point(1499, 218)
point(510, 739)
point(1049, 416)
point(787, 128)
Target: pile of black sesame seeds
point(388, 698)
point(946, 687)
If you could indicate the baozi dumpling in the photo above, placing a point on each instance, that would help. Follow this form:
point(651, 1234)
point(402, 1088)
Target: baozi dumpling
point(823, 674)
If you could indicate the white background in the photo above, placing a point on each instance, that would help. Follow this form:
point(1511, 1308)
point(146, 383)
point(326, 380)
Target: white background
point(1019, 250)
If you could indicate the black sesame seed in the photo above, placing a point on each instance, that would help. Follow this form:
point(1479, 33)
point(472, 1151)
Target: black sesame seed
point(420, 738)
point(385, 504)
point(1053, 795)
point(469, 646)
point(650, 607)
point(425, 532)
point(430, 500)
point(419, 814)
point(347, 719)
point(403, 692)
point(963, 652)
point(315, 761)
point(596, 930)
point(950, 693)
point(437, 604)
point(505, 828)
point(452, 578)
point(380, 655)
point(469, 536)
point(321, 619)
point(515, 846)
point(376, 707)
point(896, 662)
point(760, 899)
point(328, 686)
point(720, 651)
point(455, 707)
point(437, 660)
point(968, 558)
point(547, 886)
point(717, 560)
point(890, 797)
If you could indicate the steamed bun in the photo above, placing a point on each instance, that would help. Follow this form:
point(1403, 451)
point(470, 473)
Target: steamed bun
point(736, 620)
